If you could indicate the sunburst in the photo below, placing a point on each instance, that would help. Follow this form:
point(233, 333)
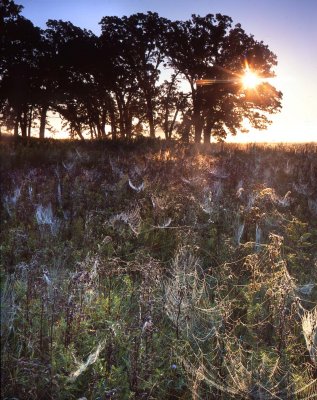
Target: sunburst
point(250, 79)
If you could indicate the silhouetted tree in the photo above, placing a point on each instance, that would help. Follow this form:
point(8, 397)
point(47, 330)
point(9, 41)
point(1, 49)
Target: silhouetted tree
point(114, 80)
point(139, 40)
point(210, 48)
point(20, 44)
point(172, 103)
point(74, 57)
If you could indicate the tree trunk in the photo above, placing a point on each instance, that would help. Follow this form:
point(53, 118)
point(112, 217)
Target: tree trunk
point(121, 109)
point(23, 130)
point(152, 127)
point(206, 136)
point(103, 123)
point(30, 123)
point(121, 122)
point(187, 122)
point(165, 124)
point(185, 135)
point(198, 126)
point(16, 127)
point(29, 128)
point(150, 117)
point(93, 132)
point(113, 125)
point(197, 118)
point(166, 115)
point(23, 124)
point(171, 128)
point(207, 132)
point(43, 122)
point(80, 135)
point(103, 130)
point(99, 130)
point(127, 124)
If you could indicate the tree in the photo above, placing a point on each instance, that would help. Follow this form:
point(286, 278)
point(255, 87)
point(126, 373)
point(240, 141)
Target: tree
point(20, 43)
point(139, 40)
point(75, 59)
point(114, 79)
point(172, 102)
point(210, 48)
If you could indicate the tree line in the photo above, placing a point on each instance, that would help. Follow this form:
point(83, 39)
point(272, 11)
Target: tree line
point(130, 78)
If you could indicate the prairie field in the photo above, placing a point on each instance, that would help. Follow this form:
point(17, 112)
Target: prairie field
point(158, 270)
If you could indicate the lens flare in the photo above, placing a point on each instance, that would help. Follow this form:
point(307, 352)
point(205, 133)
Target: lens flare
point(250, 79)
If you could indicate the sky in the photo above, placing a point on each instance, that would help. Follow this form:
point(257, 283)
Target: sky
point(288, 27)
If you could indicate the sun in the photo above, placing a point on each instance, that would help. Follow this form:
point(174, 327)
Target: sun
point(250, 79)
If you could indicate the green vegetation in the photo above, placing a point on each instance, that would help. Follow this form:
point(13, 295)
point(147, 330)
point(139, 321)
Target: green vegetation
point(155, 270)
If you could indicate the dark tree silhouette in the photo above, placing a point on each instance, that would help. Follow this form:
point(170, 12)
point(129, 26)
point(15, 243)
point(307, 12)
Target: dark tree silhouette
point(20, 45)
point(124, 91)
point(172, 102)
point(74, 53)
point(115, 79)
point(210, 48)
point(140, 40)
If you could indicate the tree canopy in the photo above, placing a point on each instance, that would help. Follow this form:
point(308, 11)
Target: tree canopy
point(130, 80)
